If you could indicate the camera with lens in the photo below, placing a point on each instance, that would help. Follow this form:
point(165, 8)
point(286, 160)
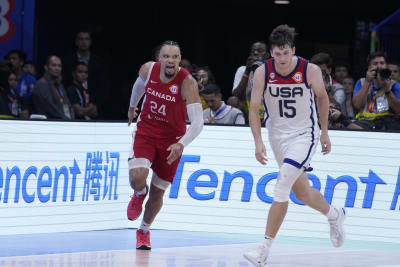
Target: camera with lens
point(256, 64)
point(383, 73)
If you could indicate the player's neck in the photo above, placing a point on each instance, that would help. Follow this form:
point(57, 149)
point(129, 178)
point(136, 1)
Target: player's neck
point(286, 71)
point(165, 79)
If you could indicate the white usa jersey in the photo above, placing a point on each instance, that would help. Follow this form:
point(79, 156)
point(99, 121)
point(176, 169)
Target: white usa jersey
point(288, 100)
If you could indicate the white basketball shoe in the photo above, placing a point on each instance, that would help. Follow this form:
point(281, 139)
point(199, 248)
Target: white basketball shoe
point(258, 257)
point(337, 229)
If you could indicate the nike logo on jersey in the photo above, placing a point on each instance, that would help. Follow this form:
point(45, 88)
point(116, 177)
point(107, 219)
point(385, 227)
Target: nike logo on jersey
point(272, 81)
point(178, 137)
point(151, 81)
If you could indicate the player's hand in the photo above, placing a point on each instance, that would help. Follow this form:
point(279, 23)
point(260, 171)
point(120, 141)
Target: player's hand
point(132, 113)
point(176, 150)
point(261, 154)
point(325, 143)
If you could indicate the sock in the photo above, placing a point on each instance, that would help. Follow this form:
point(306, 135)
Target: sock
point(268, 241)
point(332, 213)
point(145, 226)
point(142, 192)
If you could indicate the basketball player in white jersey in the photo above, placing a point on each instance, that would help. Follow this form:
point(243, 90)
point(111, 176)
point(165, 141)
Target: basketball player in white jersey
point(288, 86)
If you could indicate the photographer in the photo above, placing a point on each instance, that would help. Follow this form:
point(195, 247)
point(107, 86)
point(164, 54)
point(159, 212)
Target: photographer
point(243, 82)
point(377, 96)
point(203, 76)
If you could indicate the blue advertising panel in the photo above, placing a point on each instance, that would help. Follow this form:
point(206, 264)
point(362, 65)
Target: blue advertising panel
point(17, 26)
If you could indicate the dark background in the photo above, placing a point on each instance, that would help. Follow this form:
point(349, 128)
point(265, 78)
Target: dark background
point(215, 33)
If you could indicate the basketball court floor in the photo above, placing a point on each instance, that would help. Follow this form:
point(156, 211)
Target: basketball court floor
point(114, 248)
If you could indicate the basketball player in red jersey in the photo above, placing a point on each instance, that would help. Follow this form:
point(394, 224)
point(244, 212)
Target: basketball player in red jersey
point(160, 135)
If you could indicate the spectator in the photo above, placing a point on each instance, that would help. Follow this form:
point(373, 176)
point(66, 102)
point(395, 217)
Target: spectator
point(243, 82)
point(377, 98)
point(30, 67)
point(327, 79)
point(336, 118)
point(49, 96)
point(324, 61)
point(395, 69)
point(26, 82)
point(218, 112)
point(78, 93)
point(235, 102)
point(4, 89)
point(341, 71)
point(185, 63)
point(17, 104)
point(203, 76)
point(98, 77)
point(348, 84)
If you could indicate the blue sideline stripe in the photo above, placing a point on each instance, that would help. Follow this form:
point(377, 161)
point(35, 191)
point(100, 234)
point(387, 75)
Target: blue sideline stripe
point(292, 162)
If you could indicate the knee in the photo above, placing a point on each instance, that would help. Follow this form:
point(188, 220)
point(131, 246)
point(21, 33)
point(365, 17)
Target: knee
point(281, 193)
point(138, 175)
point(287, 176)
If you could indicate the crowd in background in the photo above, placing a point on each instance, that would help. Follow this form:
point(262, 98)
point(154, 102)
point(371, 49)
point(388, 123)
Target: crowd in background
point(77, 86)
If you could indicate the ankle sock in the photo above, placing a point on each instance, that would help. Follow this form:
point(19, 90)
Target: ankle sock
point(142, 192)
point(145, 226)
point(268, 241)
point(332, 213)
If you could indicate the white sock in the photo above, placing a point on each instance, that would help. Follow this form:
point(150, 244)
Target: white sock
point(142, 192)
point(268, 241)
point(145, 226)
point(332, 213)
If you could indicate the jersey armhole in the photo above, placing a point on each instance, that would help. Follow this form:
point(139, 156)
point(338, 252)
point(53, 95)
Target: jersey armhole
point(266, 76)
point(149, 72)
point(305, 74)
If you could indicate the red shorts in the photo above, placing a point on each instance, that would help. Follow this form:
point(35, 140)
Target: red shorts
point(155, 150)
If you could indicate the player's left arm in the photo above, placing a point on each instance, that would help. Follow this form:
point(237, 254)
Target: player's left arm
point(314, 79)
point(190, 93)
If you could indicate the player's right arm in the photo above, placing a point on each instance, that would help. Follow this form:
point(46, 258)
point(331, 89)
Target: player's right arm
point(254, 117)
point(138, 91)
point(314, 78)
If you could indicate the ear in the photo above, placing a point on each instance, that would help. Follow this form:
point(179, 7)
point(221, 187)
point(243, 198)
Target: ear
point(46, 68)
point(294, 50)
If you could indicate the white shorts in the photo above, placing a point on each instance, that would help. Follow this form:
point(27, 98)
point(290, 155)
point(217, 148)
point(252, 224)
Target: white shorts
point(295, 149)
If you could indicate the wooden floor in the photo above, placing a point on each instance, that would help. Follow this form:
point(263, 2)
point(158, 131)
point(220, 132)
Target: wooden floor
point(174, 248)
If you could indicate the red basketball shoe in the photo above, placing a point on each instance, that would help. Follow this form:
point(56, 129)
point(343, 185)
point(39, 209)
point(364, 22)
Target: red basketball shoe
point(135, 205)
point(143, 240)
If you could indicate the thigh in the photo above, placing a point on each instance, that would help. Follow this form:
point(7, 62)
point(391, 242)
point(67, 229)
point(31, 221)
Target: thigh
point(160, 166)
point(277, 149)
point(143, 147)
point(300, 149)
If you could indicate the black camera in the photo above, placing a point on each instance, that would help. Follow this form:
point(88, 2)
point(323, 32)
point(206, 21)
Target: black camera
point(384, 73)
point(256, 64)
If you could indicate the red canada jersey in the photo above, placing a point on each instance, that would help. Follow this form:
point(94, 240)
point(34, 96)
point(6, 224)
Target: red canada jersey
point(163, 112)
